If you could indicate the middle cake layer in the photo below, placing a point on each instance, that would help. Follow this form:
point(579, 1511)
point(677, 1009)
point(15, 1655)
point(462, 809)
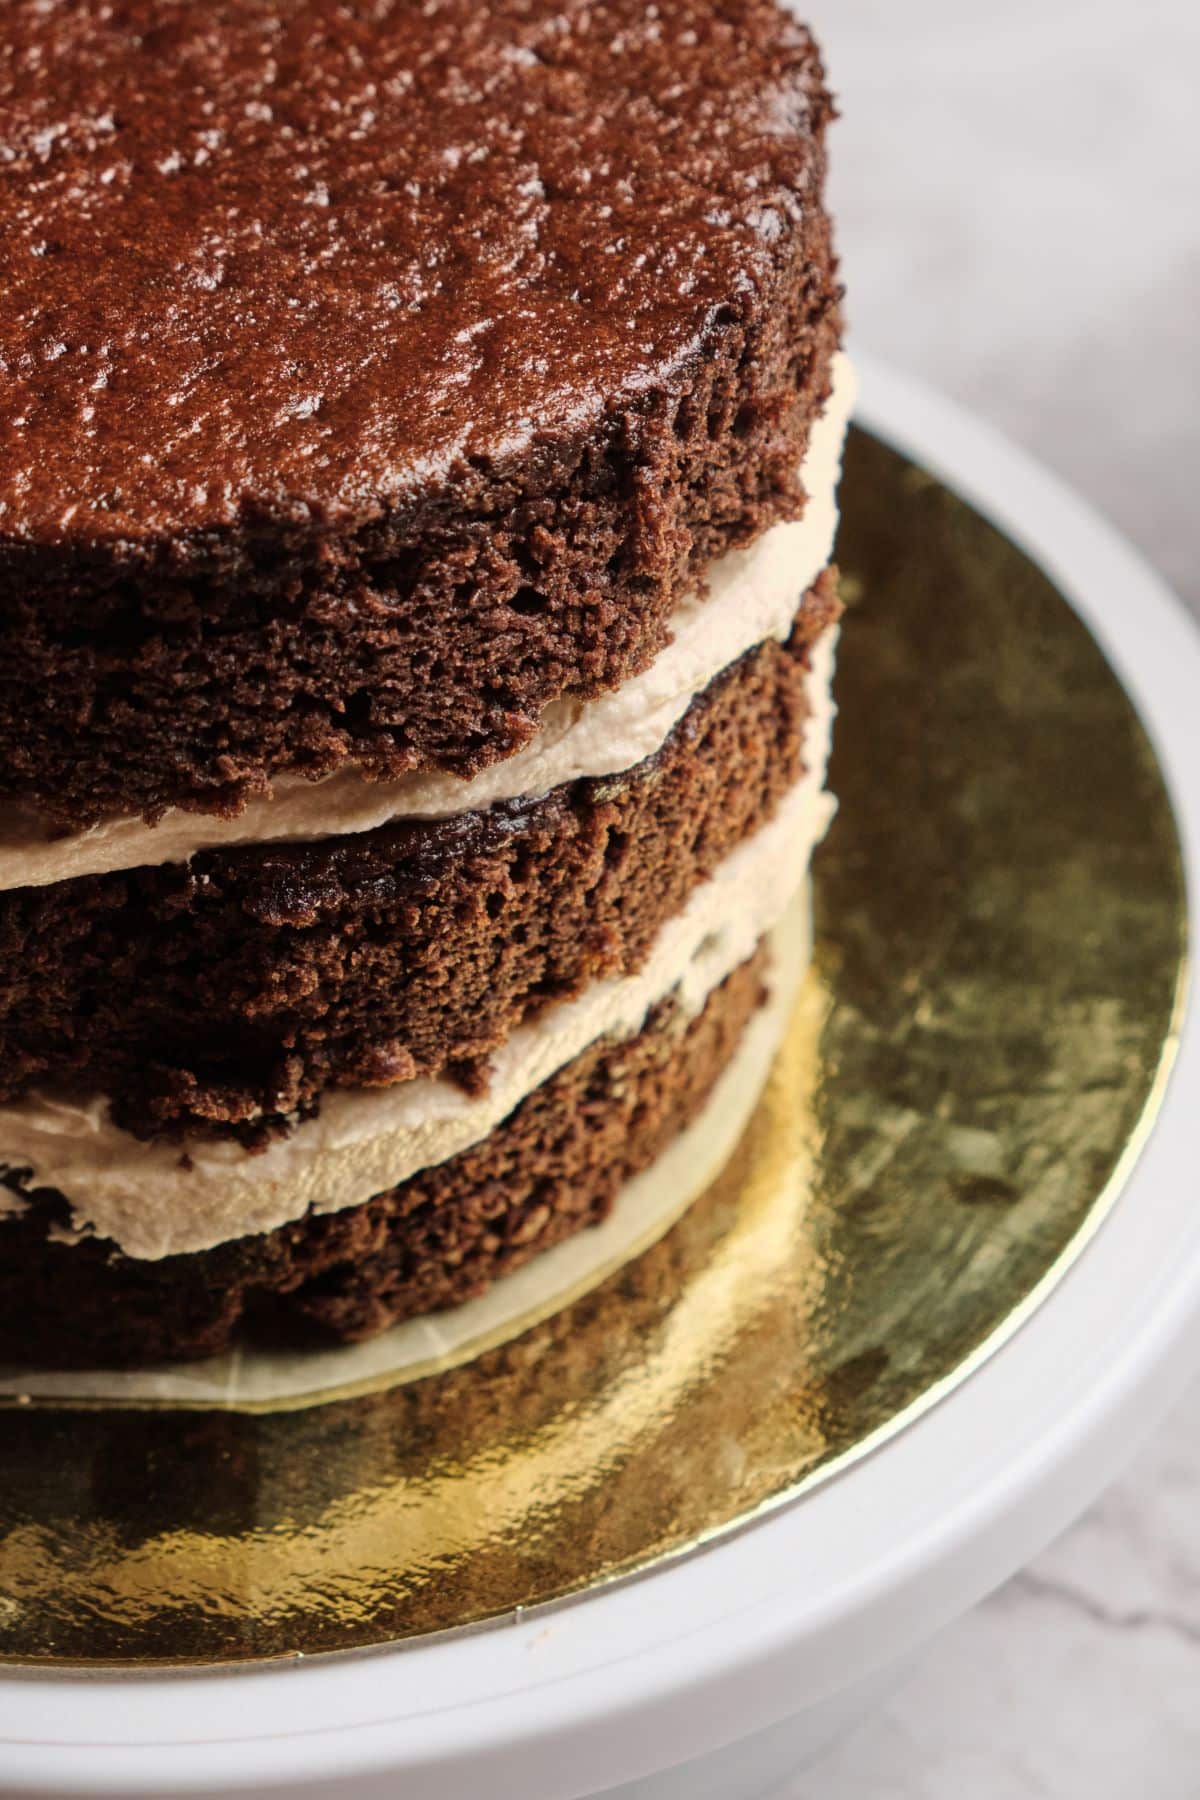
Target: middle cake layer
point(228, 992)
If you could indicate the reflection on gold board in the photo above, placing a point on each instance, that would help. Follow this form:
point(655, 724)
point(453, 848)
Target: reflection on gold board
point(972, 1063)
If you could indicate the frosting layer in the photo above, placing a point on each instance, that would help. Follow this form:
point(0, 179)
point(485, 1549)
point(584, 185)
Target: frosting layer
point(752, 595)
point(153, 1201)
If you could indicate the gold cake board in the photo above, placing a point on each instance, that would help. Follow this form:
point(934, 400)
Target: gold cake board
point(973, 1061)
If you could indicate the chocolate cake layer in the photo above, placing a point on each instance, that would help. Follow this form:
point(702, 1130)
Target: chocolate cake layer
point(229, 992)
point(374, 376)
point(441, 1237)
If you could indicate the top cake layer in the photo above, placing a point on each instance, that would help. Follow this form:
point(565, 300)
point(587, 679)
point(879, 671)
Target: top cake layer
point(375, 375)
point(290, 259)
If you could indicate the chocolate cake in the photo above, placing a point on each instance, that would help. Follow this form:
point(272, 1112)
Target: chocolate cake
point(417, 489)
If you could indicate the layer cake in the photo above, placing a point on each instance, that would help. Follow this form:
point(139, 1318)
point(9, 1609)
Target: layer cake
point(417, 490)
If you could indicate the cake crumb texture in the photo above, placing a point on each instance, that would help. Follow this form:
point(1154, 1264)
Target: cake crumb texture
point(228, 993)
point(374, 376)
point(443, 1236)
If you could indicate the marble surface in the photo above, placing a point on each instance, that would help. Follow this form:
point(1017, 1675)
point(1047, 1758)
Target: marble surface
point(1016, 189)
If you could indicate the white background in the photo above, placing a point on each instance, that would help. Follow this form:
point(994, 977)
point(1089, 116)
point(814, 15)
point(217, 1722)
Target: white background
point(1017, 187)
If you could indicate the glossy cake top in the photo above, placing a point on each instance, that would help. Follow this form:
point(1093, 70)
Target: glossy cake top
point(300, 260)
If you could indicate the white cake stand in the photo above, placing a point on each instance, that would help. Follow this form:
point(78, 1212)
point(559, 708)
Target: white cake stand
point(711, 1678)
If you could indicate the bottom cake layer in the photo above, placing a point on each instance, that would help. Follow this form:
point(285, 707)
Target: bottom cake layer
point(441, 1237)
